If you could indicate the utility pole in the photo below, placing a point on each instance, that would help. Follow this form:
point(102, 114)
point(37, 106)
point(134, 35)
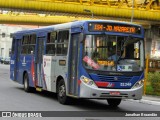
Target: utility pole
point(132, 14)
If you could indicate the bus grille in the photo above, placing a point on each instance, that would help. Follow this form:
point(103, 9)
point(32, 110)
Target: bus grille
point(113, 96)
point(114, 78)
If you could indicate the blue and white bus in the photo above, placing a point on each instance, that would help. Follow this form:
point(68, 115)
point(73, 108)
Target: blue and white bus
point(93, 59)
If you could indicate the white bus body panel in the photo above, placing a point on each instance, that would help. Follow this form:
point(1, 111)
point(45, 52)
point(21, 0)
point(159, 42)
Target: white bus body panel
point(52, 70)
point(48, 64)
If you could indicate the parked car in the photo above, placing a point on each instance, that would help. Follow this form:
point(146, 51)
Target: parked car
point(2, 60)
point(6, 61)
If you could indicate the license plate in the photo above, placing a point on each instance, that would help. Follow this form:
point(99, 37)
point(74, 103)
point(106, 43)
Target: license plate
point(114, 93)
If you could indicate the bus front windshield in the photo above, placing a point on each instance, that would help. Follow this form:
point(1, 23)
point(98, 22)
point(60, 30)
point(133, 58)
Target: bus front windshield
point(113, 53)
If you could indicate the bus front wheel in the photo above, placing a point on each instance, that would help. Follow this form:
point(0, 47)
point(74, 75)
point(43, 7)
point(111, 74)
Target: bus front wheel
point(61, 92)
point(26, 83)
point(114, 102)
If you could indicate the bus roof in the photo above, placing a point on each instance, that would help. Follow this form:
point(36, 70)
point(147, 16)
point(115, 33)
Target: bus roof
point(71, 24)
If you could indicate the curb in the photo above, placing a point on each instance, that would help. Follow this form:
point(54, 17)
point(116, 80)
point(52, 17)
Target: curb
point(150, 102)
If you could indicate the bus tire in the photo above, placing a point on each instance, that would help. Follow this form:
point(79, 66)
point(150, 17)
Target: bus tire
point(113, 102)
point(61, 92)
point(26, 83)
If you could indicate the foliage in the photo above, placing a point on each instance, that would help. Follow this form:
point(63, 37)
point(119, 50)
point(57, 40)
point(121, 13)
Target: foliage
point(154, 79)
point(150, 91)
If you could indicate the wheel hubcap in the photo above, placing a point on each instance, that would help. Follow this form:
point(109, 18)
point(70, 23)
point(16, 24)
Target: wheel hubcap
point(25, 83)
point(62, 91)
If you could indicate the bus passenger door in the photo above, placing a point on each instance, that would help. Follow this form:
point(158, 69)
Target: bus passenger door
point(39, 61)
point(15, 59)
point(73, 65)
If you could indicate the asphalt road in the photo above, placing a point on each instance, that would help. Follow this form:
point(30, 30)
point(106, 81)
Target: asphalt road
point(13, 98)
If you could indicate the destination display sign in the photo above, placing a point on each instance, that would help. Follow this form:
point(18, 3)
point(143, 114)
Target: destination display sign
point(114, 27)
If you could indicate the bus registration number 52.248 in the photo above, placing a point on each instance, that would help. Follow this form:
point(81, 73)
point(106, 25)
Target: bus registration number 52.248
point(125, 84)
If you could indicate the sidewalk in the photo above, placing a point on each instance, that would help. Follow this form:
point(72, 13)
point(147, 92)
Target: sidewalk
point(150, 99)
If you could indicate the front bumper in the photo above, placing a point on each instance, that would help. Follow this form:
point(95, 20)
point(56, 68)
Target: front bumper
point(87, 91)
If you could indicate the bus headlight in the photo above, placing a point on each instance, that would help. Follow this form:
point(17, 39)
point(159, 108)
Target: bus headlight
point(138, 84)
point(88, 81)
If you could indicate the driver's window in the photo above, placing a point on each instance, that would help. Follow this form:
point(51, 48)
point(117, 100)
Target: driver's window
point(132, 50)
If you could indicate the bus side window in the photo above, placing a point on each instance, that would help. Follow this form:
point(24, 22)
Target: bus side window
point(32, 44)
point(48, 37)
point(62, 46)
point(51, 43)
point(50, 49)
point(31, 49)
point(28, 44)
point(33, 39)
point(25, 42)
point(24, 49)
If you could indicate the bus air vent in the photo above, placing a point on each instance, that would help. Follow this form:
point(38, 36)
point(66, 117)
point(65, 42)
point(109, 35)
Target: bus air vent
point(114, 78)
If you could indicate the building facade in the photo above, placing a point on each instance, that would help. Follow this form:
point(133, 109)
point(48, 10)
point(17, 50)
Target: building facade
point(6, 32)
point(152, 39)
